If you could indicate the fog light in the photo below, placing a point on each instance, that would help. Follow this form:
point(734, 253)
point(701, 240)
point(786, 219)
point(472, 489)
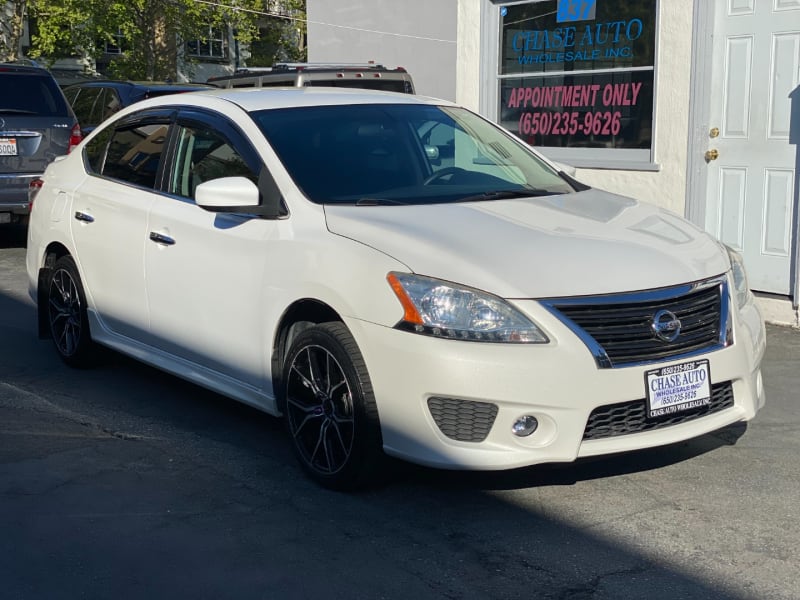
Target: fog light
point(524, 426)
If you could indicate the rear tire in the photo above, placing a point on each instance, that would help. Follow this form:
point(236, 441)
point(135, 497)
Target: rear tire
point(67, 320)
point(329, 409)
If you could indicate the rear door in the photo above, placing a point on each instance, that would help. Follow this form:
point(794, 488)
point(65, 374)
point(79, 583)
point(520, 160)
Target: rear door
point(109, 217)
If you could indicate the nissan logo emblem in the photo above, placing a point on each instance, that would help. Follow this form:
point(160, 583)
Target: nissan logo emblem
point(666, 326)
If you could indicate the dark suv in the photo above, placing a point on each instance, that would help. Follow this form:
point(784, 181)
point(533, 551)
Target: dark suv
point(95, 101)
point(36, 125)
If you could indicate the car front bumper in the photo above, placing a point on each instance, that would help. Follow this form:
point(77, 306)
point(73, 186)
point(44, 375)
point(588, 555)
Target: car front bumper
point(558, 383)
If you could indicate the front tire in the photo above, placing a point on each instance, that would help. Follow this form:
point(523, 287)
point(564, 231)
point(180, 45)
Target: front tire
point(329, 408)
point(67, 321)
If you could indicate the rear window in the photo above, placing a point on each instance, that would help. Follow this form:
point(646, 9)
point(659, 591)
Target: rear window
point(25, 93)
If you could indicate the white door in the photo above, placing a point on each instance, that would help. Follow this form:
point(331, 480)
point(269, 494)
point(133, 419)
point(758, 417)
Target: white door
point(205, 271)
point(751, 195)
point(108, 229)
point(204, 281)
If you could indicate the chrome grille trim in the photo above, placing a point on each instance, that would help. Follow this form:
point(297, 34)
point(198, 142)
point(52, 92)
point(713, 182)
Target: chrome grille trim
point(616, 327)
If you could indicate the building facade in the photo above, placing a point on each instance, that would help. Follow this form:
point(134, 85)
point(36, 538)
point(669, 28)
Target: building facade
point(690, 104)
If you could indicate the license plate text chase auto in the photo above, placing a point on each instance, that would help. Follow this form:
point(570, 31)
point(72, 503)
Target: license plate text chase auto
point(677, 388)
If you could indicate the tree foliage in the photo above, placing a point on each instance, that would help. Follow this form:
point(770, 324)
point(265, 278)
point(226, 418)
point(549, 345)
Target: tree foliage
point(150, 31)
point(281, 37)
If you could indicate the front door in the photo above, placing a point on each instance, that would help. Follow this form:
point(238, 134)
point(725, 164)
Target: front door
point(751, 164)
point(205, 271)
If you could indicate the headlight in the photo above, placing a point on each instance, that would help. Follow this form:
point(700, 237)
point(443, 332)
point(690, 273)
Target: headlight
point(741, 289)
point(443, 309)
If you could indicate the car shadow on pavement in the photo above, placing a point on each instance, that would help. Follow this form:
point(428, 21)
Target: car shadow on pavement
point(584, 469)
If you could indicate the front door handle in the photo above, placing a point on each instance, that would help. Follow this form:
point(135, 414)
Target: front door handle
point(160, 238)
point(82, 216)
point(712, 154)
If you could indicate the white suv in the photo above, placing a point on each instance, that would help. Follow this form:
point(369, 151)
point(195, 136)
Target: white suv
point(390, 274)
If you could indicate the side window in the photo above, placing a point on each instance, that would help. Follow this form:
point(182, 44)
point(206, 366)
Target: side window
point(202, 155)
point(111, 103)
point(94, 153)
point(134, 154)
point(269, 82)
point(97, 110)
point(83, 104)
point(71, 94)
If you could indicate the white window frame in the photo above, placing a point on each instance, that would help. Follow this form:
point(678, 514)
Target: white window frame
point(118, 48)
point(217, 35)
point(631, 159)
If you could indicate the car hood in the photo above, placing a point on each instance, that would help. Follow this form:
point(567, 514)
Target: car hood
point(586, 243)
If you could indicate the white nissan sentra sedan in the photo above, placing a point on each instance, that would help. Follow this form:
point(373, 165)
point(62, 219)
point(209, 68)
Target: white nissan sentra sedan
point(390, 274)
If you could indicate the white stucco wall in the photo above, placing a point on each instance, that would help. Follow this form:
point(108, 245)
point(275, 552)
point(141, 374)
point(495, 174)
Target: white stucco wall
point(468, 74)
point(667, 187)
point(419, 35)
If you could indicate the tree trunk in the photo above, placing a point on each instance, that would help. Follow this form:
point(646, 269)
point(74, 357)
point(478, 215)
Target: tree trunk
point(11, 30)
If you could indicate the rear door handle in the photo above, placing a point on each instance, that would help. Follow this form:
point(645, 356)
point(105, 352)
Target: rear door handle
point(159, 238)
point(82, 216)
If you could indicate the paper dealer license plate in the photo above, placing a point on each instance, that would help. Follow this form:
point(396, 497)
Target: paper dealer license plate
point(677, 388)
point(8, 147)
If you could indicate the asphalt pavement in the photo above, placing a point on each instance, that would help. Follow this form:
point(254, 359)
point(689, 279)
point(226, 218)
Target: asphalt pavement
point(124, 482)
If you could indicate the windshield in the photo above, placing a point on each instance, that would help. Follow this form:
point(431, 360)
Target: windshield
point(402, 154)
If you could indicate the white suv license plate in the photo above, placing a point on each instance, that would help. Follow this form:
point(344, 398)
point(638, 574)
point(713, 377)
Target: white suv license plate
point(8, 147)
point(677, 388)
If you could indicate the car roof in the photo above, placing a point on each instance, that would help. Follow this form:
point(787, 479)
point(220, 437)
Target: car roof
point(253, 99)
point(15, 68)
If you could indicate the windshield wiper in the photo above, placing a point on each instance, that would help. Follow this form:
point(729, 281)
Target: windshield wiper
point(16, 111)
point(505, 194)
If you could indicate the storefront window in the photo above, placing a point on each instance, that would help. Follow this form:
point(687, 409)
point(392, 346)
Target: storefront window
point(578, 74)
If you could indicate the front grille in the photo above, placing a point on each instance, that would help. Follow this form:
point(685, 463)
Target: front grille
point(618, 329)
point(463, 420)
point(631, 417)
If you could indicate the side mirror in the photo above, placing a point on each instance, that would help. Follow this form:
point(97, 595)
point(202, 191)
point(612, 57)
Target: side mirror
point(227, 194)
point(240, 195)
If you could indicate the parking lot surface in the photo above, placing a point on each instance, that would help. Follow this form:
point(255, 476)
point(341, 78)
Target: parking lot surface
point(124, 482)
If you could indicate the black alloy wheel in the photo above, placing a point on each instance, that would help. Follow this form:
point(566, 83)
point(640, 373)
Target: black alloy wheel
point(329, 408)
point(66, 314)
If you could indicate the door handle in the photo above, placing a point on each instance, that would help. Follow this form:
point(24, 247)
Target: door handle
point(82, 216)
point(160, 238)
point(712, 154)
